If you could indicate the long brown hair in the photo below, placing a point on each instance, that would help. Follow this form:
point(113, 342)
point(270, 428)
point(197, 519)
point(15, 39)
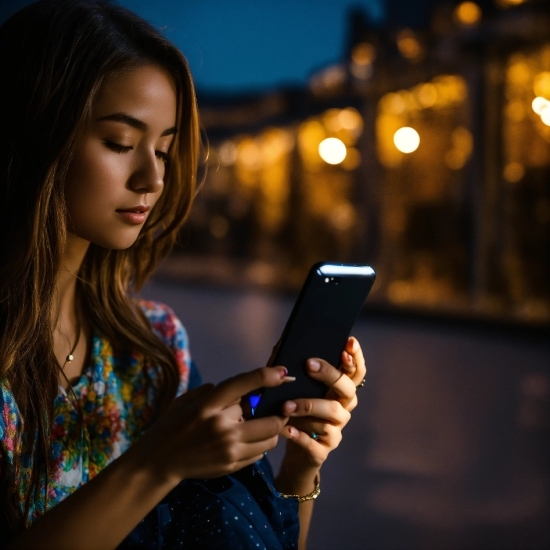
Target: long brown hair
point(54, 57)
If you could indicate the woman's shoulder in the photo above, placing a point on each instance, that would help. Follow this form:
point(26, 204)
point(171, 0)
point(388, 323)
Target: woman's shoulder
point(164, 323)
point(169, 329)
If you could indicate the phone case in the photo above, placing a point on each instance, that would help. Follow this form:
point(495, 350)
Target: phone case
point(320, 323)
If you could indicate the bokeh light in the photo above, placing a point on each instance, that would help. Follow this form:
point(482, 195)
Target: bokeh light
point(509, 3)
point(468, 13)
point(408, 45)
point(541, 84)
point(332, 150)
point(539, 104)
point(363, 53)
point(514, 172)
point(406, 139)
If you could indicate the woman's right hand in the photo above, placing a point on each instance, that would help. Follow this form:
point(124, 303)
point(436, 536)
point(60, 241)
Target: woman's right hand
point(203, 434)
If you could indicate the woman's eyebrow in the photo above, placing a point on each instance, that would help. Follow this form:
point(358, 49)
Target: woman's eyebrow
point(135, 123)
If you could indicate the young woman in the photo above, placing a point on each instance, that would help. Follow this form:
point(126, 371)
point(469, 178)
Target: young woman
point(106, 437)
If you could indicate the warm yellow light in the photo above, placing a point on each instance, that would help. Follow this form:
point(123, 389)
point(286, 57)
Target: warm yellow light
point(507, 3)
point(227, 153)
point(541, 84)
point(514, 172)
point(515, 110)
point(249, 154)
point(350, 119)
point(363, 53)
point(332, 150)
point(406, 139)
point(393, 103)
point(408, 45)
point(545, 115)
point(539, 103)
point(427, 94)
point(519, 73)
point(468, 13)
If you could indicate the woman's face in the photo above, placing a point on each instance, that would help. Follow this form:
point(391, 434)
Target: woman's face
point(117, 174)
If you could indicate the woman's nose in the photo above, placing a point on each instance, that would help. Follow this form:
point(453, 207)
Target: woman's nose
point(148, 176)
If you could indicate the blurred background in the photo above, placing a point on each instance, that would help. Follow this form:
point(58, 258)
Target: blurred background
point(414, 136)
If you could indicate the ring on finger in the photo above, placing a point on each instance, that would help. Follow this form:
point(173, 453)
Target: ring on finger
point(314, 435)
point(361, 384)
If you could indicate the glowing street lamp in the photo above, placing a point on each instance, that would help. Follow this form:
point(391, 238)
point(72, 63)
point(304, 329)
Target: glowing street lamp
point(406, 139)
point(539, 104)
point(332, 150)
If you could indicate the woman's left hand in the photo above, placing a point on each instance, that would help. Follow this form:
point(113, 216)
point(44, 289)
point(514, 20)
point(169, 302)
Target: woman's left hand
point(315, 425)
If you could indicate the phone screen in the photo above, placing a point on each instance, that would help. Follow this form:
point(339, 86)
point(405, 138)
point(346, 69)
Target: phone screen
point(320, 323)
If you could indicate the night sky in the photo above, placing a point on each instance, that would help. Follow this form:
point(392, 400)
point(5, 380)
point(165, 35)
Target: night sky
point(244, 45)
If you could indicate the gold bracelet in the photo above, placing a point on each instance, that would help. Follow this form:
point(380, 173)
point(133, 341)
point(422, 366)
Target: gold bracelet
point(310, 496)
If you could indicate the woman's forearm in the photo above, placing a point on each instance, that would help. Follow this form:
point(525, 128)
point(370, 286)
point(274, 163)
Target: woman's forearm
point(292, 481)
point(101, 513)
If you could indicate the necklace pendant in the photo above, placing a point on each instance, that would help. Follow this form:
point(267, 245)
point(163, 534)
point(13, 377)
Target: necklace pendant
point(70, 358)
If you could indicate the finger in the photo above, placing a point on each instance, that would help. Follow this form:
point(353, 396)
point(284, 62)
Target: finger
point(260, 429)
point(342, 385)
point(195, 393)
point(354, 349)
point(314, 447)
point(231, 390)
point(323, 371)
point(245, 451)
point(328, 410)
point(310, 426)
point(323, 442)
point(347, 404)
point(199, 391)
point(234, 412)
point(348, 365)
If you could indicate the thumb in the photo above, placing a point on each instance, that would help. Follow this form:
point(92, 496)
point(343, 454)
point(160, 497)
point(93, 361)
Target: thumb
point(233, 389)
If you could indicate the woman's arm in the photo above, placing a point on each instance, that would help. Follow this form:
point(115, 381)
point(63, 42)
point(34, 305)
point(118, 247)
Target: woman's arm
point(324, 417)
point(201, 436)
point(102, 512)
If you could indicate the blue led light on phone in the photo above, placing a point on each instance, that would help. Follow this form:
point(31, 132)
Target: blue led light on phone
point(253, 400)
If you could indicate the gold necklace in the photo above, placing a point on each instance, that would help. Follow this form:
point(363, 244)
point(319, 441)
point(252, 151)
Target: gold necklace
point(70, 357)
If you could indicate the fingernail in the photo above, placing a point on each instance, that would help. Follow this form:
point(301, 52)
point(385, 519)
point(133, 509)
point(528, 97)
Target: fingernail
point(289, 379)
point(293, 432)
point(289, 407)
point(314, 365)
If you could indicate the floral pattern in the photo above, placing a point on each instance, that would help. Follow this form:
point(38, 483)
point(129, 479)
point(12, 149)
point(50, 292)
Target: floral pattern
point(116, 395)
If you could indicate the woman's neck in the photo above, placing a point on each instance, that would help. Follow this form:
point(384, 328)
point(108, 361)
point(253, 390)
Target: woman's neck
point(65, 296)
point(70, 331)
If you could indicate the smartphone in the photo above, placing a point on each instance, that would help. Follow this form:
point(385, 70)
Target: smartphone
point(319, 326)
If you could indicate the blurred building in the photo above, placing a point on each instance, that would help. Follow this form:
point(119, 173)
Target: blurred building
point(426, 152)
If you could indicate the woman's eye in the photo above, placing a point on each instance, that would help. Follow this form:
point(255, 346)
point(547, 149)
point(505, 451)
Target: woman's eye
point(162, 156)
point(117, 148)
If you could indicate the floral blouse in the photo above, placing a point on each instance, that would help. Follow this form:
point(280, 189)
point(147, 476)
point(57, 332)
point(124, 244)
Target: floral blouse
point(116, 394)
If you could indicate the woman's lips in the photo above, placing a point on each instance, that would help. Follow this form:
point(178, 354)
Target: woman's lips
point(135, 215)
